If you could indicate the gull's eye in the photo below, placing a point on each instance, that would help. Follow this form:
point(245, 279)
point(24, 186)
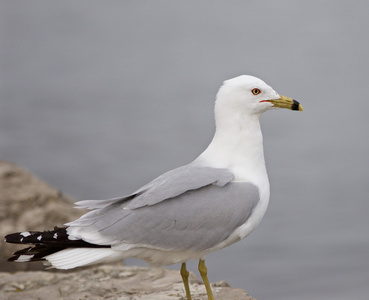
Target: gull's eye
point(256, 91)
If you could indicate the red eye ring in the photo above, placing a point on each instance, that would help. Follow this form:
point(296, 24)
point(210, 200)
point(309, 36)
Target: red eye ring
point(255, 91)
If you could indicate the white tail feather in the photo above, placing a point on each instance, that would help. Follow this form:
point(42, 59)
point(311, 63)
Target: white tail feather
point(77, 257)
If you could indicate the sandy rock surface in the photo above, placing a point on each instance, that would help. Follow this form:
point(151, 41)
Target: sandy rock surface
point(28, 203)
point(109, 282)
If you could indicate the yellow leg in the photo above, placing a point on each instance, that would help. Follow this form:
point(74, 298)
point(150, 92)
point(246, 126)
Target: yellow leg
point(204, 274)
point(185, 274)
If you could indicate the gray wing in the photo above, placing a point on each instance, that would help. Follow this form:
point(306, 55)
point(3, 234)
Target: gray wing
point(197, 218)
point(168, 185)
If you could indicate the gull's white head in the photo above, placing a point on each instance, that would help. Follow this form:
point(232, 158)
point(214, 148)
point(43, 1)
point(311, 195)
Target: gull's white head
point(247, 95)
point(238, 142)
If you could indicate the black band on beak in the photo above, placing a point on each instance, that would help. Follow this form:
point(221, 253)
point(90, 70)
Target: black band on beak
point(295, 105)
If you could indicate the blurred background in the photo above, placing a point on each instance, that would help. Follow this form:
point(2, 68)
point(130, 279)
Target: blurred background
point(99, 97)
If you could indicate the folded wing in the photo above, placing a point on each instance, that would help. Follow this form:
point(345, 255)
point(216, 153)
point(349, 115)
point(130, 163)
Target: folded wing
point(191, 207)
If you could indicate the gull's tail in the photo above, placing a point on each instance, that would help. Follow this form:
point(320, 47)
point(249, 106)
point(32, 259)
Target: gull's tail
point(59, 249)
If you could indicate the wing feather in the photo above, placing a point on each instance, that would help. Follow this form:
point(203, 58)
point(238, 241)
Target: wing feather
point(168, 185)
point(197, 219)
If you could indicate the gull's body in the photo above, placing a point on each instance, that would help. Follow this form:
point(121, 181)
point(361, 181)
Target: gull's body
point(186, 213)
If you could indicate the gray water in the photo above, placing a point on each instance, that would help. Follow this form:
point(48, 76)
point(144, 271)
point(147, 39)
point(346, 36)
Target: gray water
point(99, 97)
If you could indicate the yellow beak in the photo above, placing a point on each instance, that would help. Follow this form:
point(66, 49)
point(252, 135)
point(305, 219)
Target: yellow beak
point(285, 102)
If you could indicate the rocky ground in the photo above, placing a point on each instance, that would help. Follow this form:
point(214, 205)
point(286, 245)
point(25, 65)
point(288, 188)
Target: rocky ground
point(28, 203)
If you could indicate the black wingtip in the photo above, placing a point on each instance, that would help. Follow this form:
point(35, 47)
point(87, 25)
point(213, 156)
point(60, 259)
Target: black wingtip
point(14, 238)
point(36, 253)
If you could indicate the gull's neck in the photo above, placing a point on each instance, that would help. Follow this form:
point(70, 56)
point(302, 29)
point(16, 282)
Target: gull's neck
point(238, 146)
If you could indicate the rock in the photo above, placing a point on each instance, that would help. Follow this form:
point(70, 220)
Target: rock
point(28, 203)
point(109, 282)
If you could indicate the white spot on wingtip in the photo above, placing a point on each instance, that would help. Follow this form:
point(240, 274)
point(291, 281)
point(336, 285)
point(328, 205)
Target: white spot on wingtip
point(21, 239)
point(24, 258)
point(25, 234)
point(39, 237)
point(55, 236)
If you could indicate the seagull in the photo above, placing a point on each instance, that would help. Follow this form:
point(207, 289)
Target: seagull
point(186, 213)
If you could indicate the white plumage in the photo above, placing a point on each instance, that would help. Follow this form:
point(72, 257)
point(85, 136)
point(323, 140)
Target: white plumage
point(186, 213)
